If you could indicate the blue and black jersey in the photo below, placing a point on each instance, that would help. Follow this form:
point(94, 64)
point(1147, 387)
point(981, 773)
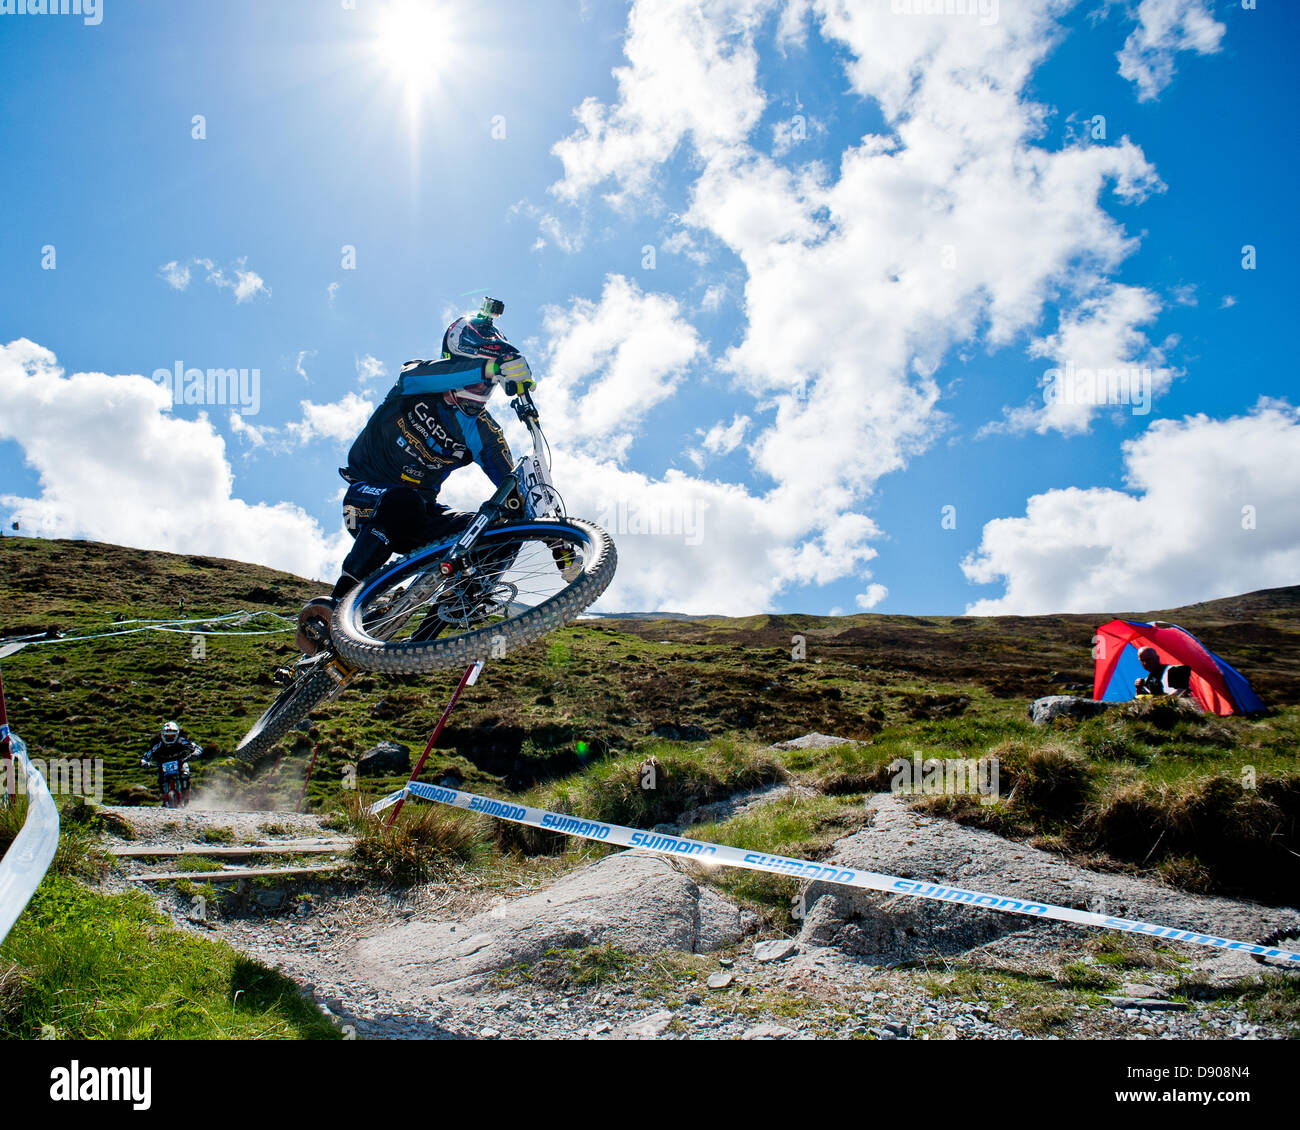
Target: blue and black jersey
point(415, 438)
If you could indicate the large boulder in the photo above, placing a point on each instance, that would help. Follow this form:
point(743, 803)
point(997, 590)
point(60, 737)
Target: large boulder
point(812, 741)
point(387, 759)
point(635, 900)
point(1043, 710)
point(888, 928)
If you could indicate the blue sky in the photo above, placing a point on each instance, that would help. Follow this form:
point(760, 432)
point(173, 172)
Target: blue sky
point(792, 277)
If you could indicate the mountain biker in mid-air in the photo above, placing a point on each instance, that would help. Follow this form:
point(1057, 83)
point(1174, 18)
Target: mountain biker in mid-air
point(173, 746)
point(433, 420)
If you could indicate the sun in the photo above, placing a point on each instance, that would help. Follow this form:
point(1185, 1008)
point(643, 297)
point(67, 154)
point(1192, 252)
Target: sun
point(412, 39)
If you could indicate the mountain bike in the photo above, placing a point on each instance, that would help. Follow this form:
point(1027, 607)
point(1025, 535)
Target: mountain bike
point(518, 570)
point(169, 782)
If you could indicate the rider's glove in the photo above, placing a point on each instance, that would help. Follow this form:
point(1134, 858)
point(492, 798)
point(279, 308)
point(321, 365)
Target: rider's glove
point(513, 372)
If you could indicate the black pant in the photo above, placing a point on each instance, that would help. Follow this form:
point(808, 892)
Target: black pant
point(387, 519)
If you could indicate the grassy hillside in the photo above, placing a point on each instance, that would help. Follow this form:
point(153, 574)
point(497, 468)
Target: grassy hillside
point(569, 719)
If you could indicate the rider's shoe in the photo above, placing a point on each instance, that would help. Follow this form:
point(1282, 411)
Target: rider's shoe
point(314, 624)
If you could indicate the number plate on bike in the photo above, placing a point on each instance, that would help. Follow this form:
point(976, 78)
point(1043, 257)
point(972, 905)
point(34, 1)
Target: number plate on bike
point(170, 767)
point(539, 494)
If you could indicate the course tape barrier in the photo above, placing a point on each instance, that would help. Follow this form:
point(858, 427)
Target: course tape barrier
point(28, 858)
point(701, 851)
point(178, 626)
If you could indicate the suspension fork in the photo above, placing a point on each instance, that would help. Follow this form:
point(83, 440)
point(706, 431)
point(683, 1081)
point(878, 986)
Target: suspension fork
point(504, 502)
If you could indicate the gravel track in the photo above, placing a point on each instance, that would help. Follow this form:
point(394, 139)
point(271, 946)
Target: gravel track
point(813, 992)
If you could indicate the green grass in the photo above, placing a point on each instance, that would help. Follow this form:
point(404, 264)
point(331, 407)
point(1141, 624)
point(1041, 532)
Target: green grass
point(78, 852)
point(426, 842)
point(197, 863)
point(80, 965)
point(561, 969)
point(1034, 1005)
point(1214, 809)
point(803, 828)
point(659, 782)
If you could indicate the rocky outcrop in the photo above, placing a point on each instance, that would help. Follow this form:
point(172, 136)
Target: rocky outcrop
point(1043, 710)
point(887, 928)
point(385, 760)
point(635, 900)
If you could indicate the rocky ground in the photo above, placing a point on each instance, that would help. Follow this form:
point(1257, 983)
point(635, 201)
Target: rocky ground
point(634, 945)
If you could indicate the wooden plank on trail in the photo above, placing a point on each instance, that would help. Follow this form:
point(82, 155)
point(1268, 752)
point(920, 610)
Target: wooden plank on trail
point(227, 876)
point(304, 847)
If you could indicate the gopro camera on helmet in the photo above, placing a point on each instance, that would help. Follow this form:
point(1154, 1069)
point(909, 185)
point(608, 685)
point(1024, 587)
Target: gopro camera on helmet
point(492, 308)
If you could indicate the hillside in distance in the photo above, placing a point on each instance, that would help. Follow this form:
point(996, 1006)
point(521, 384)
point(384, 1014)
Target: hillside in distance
point(600, 686)
point(78, 587)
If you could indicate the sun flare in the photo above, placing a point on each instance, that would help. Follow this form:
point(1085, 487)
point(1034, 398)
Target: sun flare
point(411, 40)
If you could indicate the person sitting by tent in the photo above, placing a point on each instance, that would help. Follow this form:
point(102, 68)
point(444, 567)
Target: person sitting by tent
point(1161, 678)
point(1214, 684)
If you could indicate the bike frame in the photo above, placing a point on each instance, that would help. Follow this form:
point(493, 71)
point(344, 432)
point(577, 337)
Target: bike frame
point(530, 486)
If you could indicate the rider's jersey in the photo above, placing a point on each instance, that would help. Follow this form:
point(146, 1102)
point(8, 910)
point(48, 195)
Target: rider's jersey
point(182, 749)
point(415, 438)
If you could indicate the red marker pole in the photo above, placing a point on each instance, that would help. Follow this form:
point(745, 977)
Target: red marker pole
point(307, 780)
point(6, 755)
point(467, 679)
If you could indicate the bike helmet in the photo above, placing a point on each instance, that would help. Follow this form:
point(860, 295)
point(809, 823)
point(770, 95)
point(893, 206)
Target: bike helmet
point(170, 732)
point(477, 336)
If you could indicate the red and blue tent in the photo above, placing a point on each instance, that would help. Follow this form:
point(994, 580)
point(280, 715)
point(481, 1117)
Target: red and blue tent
point(1218, 686)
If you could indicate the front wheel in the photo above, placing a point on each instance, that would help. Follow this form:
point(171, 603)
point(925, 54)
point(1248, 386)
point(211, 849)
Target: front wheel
point(519, 582)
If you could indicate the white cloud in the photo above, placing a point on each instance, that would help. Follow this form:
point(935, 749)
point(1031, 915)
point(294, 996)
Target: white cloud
point(341, 420)
point(1099, 360)
point(552, 228)
point(686, 544)
point(1166, 27)
point(303, 354)
point(140, 476)
point(370, 368)
point(692, 70)
point(873, 596)
point(246, 285)
point(723, 440)
point(610, 362)
point(1229, 301)
point(791, 132)
point(860, 280)
point(175, 275)
point(1209, 511)
point(249, 433)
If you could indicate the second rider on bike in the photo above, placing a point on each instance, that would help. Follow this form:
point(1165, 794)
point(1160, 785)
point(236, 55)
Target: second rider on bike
point(433, 420)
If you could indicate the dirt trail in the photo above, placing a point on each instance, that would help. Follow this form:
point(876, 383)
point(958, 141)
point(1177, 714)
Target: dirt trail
point(442, 961)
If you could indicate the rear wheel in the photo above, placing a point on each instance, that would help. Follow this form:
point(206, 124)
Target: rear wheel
point(519, 582)
point(310, 685)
